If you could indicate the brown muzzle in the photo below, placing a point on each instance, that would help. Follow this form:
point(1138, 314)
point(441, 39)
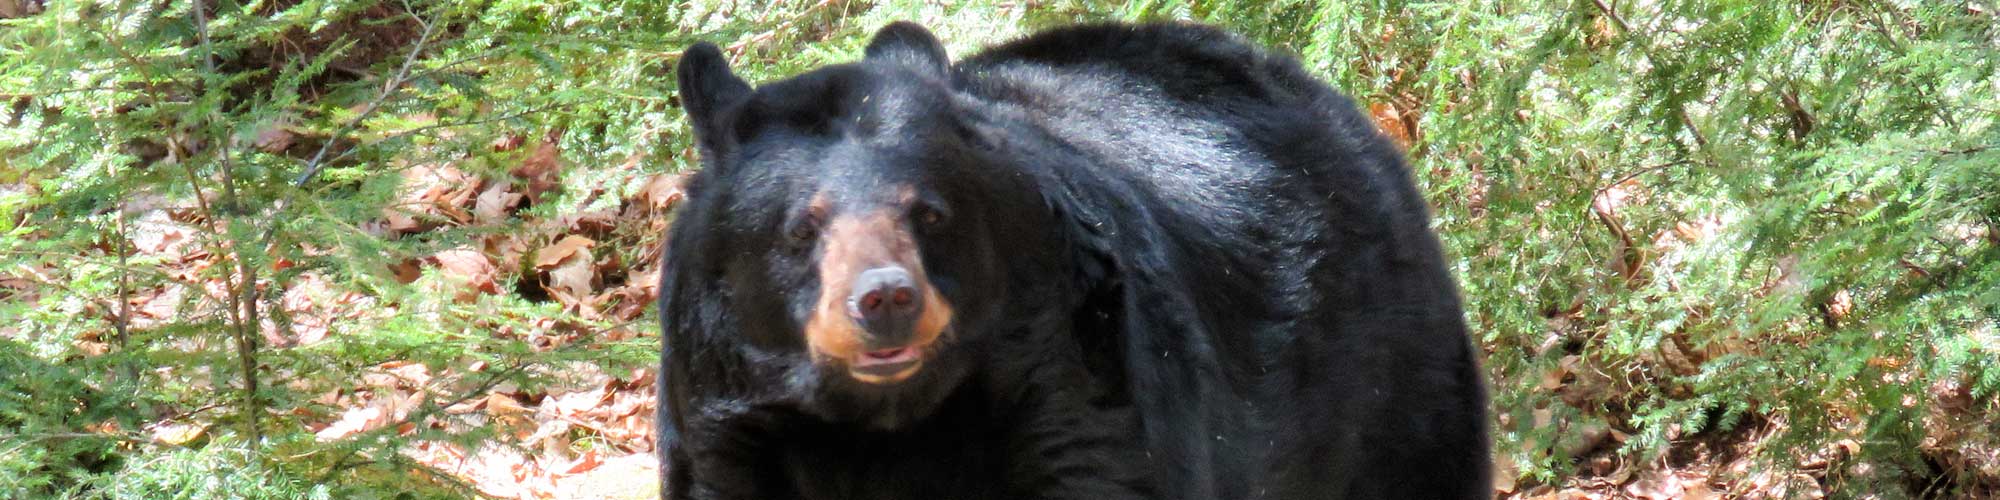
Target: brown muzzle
point(877, 314)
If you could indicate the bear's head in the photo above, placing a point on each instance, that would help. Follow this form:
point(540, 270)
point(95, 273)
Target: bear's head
point(863, 225)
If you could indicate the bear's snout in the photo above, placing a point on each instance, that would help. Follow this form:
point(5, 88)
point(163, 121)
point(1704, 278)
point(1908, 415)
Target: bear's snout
point(885, 301)
point(877, 314)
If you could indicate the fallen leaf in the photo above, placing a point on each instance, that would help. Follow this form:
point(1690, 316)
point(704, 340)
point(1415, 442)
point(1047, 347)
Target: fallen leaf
point(275, 138)
point(1504, 471)
point(156, 233)
point(495, 203)
point(506, 249)
point(662, 192)
point(1840, 305)
point(1392, 122)
point(410, 374)
point(576, 403)
point(560, 251)
point(541, 170)
point(407, 271)
point(570, 281)
point(431, 193)
point(502, 404)
point(627, 302)
point(178, 433)
point(470, 267)
point(508, 142)
point(594, 222)
point(353, 421)
point(584, 463)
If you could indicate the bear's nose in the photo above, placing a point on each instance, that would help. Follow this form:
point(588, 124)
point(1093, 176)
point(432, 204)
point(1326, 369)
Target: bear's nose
point(886, 303)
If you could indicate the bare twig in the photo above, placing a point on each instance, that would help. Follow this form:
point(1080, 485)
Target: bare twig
point(1627, 252)
point(319, 159)
point(1700, 139)
point(243, 285)
point(1613, 14)
point(124, 324)
point(1601, 209)
point(389, 88)
point(1642, 171)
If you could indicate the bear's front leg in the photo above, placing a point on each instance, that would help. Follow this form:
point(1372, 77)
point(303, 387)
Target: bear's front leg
point(720, 457)
point(1063, 447)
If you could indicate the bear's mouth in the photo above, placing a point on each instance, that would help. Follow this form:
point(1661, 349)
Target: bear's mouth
point(886, 366)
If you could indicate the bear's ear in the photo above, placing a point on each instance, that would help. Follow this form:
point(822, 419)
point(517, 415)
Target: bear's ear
point(708, 89)
point(911, 44)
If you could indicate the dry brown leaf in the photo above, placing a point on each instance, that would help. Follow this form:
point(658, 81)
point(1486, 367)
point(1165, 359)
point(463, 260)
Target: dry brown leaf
point(584, 463)
point(496, 471)
point(470, 267)
point(178, 433)
point(356, 420)
point(157, 233)
point(92, 348)
point(594, 222)
point(1553, 378)
point(502, 404)
point(1840, 305)
point(550, 433)
point(662, 191)
point(1504, 471)
point(410, 374)
point(509, 142)
point(407, 271)
point(313, 306)
point(541, 171)
point(626, 302)
point(1392, 122)
point(576, 403)
point(401, 221)
point(570, 283)
point(506, 248)
point(571, 279)
point(431, 192)
point(275, 138)
point(561, 251)
point(1698, 490)
point(453, 204)
point(612, 478)
point(495, 203)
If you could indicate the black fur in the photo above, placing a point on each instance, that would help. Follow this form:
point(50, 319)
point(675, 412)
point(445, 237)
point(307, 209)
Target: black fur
point(1183, 268)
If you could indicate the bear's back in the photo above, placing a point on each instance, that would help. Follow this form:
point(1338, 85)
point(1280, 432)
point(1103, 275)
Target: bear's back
point(1285, 248)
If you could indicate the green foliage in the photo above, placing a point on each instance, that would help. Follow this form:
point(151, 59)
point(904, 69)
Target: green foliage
point(223, 471)
point(1675, 220)
point(1690, 215)
point(134, 124)
point(42, 406)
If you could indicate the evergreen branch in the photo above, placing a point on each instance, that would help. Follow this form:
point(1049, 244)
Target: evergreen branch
point(440, 126)
point(389, 88)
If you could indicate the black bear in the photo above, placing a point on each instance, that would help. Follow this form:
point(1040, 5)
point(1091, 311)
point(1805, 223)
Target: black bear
point(1106, 261)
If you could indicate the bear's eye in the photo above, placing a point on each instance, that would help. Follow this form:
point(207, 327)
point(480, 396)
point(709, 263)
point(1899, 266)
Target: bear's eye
point(804, 226)
point(927, 215)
